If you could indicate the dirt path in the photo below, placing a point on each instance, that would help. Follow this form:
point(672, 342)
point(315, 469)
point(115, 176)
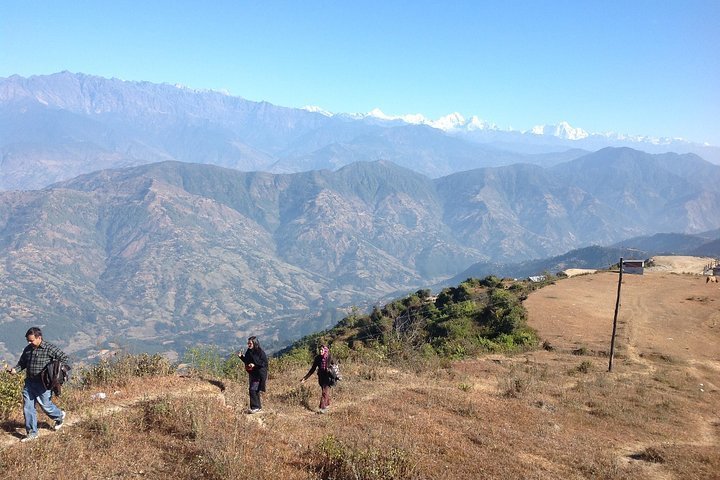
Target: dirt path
point(114, 402)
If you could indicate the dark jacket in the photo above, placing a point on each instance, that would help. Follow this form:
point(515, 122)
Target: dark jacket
point(257, 357)
point(54, 375)
point(325, 375)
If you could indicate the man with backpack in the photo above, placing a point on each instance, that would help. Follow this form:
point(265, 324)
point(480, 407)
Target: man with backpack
point(38, 355)
point(327, 375)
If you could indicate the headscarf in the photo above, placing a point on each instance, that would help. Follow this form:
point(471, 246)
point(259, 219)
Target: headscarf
point(324, 355)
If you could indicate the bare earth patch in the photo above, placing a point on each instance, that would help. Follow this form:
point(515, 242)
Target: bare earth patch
point(679, 264)
point(573, 272)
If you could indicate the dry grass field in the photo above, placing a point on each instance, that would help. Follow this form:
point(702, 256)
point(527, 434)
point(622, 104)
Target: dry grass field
point(553, 413)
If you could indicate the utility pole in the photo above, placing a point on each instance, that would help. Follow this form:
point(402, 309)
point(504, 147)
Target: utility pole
point(617, 307)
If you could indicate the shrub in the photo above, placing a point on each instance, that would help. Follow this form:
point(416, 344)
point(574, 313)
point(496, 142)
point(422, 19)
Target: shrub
point(104, 372)
point(504, 312)
point(101, 431)
point(584, 367)
point(298, 356)
point(119, 369)
point(179, 417)
point(205, 360)
point(521, 381)
point(300, 395)
point(340, 351)
point(10, 394)
point(427, 351)
point(465, 387)
point(152, 365)
point(233, 368)
point(491, 281)
point(334, 459)
point(580, 351)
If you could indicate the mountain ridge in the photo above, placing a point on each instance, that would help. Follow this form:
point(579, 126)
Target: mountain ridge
point(55, 127)
point(182, 251)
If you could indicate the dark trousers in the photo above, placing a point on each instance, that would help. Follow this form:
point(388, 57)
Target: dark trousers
point(255, 394)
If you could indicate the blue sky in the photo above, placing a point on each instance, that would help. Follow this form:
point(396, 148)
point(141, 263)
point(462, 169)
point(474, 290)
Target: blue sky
point(634, 66)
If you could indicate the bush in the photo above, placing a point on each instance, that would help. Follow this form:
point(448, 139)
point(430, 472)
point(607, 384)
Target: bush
point(297, 357)
point(521, 381)
point(427, 351)
point(178, 417)
point(300, 395)
point(10, 394)
point(205, 360)
point(334, 459)
point(119, 369)
point(152, 365)
point(491, 281)
point(584, 367)
point(504, 312)
point(340, 351)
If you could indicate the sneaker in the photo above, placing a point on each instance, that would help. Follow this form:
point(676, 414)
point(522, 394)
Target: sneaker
point(59, 422)
point(255, 410)
point(29, 437)
point(322, 410)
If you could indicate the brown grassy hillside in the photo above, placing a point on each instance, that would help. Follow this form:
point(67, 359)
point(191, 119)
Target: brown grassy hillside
point(545, 414)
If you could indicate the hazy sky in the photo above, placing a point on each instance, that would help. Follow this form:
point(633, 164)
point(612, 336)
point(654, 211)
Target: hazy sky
point(631, 66)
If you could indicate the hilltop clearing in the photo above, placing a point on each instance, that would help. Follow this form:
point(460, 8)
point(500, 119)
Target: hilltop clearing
point(678, 264)
point(662, 314)
point(543, 414)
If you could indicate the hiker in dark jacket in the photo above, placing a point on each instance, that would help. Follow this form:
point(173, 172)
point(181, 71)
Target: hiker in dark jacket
point(326, 378)
point(256, 364)
point(34, 358)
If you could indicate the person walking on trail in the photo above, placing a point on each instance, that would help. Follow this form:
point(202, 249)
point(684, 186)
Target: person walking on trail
point(256, 364)
point(326, 378)
point(35, 357)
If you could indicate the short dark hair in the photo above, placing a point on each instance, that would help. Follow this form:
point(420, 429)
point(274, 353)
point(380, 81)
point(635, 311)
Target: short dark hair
point(34, 331)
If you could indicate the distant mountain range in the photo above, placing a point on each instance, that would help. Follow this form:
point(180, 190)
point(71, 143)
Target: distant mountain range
point(170, 254)
point(134, 213)
point(55, 127)
point(542, 137)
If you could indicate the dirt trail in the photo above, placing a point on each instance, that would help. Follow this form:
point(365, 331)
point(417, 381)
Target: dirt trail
point(114, 403)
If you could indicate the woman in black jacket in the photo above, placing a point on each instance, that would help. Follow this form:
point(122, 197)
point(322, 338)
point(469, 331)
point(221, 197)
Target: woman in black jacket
point(326, 378)
point(256, 364)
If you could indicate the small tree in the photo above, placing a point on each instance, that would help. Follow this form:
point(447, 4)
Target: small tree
point(504, 312)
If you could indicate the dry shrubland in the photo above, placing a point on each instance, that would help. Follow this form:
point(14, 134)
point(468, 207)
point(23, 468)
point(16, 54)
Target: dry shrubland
point(524, 416)
point(552, 413)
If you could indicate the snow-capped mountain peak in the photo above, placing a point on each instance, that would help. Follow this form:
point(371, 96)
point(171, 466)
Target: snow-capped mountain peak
point(562, 130)
point(452, 122)
point(477, 123)
point(412, 118)
point(377, 113)
point(449, 122)
point(456, 124)
point(316, 109)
